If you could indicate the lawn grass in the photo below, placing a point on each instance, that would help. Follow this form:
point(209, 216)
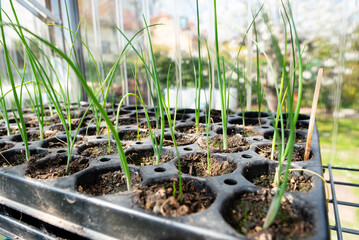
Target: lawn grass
point(347, 142)
point(347, 150)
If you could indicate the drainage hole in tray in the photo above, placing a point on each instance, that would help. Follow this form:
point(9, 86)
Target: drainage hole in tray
point(187, 149)
point(160, 169)
point(61, 151)
point(138, 142)
point(104, 159)
point(230, 181)
point(246, 156)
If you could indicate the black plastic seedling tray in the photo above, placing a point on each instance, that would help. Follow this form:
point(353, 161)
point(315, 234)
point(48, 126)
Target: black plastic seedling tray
point(47, 209)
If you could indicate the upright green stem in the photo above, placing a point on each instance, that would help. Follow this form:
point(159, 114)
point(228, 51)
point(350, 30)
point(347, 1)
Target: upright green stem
point(281, 98)
point(198, 86)
point(224, 108)
point(22, 127)
point(222, 86)
point(208, 113)
point(259, 86)
point(4, 112)
point(172, 130)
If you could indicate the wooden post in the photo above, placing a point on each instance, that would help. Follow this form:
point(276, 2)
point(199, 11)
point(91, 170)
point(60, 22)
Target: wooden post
point(312, 115)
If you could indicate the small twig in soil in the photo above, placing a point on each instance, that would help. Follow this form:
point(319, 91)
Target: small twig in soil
point(312, 115)
point(61, 141)
point(5, 159)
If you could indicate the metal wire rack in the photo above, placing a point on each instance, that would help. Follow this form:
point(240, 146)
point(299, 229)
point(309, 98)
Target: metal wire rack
point(338, 227)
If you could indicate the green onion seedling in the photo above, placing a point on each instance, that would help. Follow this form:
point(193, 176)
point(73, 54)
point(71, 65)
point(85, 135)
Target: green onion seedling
point(208, 111)
point(236, 68)
point(221, 83)
point(21, 125)
point(93, 97)
point(174, 189)
point(292, 118)
point(172, 131)
point(4, 112)
point(199, 79)
point(259, 90)
point(153, 75)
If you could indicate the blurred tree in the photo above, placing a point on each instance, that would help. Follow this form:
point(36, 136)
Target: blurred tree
point(350, 87)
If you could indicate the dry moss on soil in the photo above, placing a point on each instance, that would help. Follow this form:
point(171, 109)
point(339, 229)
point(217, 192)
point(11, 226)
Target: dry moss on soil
point(236, 143)
point(295, 183)
point(247, 216)
point(160, 198)
point(298, 153)
point(54, 167)
point(147, 158)
point(181, 140)
point(247, 132)
point(100, 149)
point(191, 129)
point(133, 136)
point(109, 183)
point(195, 164)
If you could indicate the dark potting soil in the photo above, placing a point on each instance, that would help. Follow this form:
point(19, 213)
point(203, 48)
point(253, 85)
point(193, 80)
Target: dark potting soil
point(13, 130)
point(127, 121)
point(191, 129)
point(248, 213)
point(249, 122)
point(56, 143)
point(153, 124)
point(17, 159)
point(5, 146)
point(92, 131)
point(52, 120)
point(295, 183)
point(163, 198)
point(195, 164)
point(132, 135)
point(146, 158)
point(236, 143)
point(299, 126)
point(98, 150)
point(35, 136)
point(298, 153)
point(3, 132)
point(54, 167)
point(181, 140)
point(298, 139)
point(216, 116)
point(74, 125)
point(109, 183)
point(247, 132)
point(48, 134)
point(32, 124)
